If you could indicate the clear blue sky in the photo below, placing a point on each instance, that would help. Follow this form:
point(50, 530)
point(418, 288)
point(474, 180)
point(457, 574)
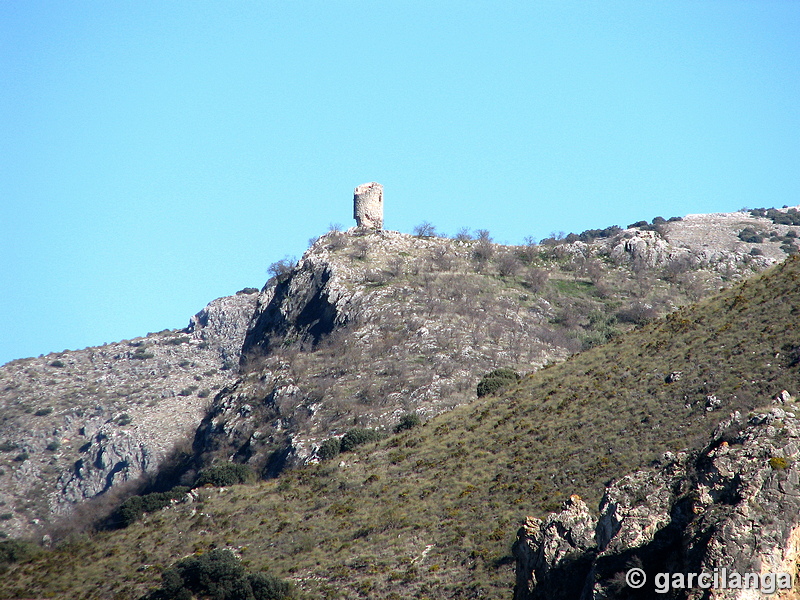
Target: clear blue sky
point(156, 155)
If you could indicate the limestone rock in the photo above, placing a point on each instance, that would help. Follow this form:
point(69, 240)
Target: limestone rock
point(223, 324)
point(368, 205)
point(733, 505)
point(91, 419)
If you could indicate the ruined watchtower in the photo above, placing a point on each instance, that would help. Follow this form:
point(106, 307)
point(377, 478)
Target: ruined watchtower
point(368, 205)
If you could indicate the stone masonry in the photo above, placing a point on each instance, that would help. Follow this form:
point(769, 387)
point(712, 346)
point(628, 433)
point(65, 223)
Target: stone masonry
point(368, 205)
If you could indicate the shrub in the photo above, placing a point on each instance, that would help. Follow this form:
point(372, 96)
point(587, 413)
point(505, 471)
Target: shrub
point(407, 421)
point(124, 419)
point(329, 448)
point(247, 290)
point(750, 236)
point(497, 379)
point(778, 463)
point(638, 313)
point(43, 412)
point(225, 475)
point(134, 507)
point(357, 437)
point(53, 446)
point(141, 353)
point(281, 269)
point(425, 229)
point(463, 235)
point(8, 446)
point(592, 234)
point(57, 364)
point(16, 551)
point(779, 217)
point(483, 249)
point(22, 457)
point(536, 279)
point(218, 575)
point(269, 587)
point(508, 265)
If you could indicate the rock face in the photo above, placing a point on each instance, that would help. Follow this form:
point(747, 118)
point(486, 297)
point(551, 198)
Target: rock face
point(734, 506)
point(368, 205)
point(223, 323)
point(76, 424)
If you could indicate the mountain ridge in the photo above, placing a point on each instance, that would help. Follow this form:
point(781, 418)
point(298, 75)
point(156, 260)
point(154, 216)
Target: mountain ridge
point(358, 508)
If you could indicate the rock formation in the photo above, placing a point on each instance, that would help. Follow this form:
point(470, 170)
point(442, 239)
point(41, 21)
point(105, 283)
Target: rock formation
point(735, 505)
point(368, 205)
point(77, 423)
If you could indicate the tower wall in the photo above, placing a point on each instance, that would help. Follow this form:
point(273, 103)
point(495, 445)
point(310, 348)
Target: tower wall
point(368, 205)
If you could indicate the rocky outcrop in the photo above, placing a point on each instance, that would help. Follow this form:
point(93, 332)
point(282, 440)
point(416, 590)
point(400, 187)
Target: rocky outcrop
point(732, 507)
point(304, 306)
point(222, 325)
point(77, 424)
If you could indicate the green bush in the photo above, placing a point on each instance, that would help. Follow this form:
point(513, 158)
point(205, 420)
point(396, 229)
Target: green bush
point(356, 437)
point(43, 412)
point(141, 353)
point(225, 475)
point(496, 380)
point(134, 507)
point(750, 236)
point(790, 217)
point(329, 448)
point(53, 446)
point(218, 575)
point(407, 421)
point(57, 363)
point(16, 551)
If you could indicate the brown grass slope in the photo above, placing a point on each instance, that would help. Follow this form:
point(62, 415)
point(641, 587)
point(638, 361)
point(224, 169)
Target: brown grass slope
point(431, 512)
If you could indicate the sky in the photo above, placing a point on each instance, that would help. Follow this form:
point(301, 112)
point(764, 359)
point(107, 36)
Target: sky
point(155, 155)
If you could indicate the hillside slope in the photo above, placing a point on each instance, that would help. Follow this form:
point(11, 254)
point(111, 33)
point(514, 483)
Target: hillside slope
point(75, 425)
point(431, 512)
point(370, 326)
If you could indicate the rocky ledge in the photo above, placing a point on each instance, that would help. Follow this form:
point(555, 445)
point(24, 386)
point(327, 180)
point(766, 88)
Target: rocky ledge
point(731, 508)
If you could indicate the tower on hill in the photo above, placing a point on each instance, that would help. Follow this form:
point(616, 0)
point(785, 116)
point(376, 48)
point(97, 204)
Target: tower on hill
point(368, 205)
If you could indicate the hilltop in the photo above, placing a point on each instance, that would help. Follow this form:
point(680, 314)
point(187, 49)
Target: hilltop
point(431, 511)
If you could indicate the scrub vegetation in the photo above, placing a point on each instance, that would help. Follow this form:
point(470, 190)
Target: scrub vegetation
point(432, 511)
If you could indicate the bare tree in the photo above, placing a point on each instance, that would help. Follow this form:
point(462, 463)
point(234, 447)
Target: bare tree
point(425, 229)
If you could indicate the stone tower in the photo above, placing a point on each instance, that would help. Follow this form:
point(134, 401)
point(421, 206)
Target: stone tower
point(368, 205)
